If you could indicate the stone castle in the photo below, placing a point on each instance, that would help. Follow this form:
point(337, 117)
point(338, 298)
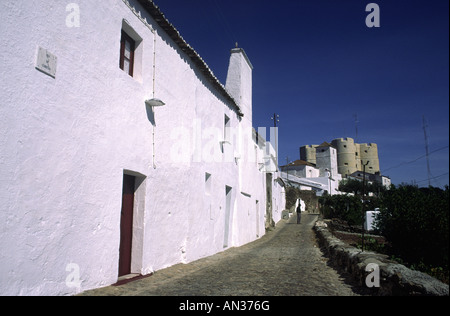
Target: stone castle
point(351, 156)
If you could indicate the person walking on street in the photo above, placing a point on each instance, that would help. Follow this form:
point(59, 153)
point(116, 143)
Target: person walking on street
point(299, 213)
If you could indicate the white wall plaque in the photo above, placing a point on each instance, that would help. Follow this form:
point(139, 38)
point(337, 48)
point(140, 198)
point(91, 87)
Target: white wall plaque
point(46, 62)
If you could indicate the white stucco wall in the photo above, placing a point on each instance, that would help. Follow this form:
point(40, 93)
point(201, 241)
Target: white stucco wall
point(279, 198)
point(331, 185)
point(67, 141)
point(326, 160)
point(303, 171)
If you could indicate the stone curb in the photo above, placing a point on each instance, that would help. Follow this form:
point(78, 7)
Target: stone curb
point(395, 279)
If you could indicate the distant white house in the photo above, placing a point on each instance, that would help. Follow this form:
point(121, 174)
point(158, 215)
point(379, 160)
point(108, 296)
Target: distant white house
point(121, 152)
point(377, 177)
point(320, 177)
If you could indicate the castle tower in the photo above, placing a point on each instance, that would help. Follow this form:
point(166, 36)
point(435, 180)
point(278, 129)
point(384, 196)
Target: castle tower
point(308, 153)
point(347, 155)
point(358, 156)
point(369, 153)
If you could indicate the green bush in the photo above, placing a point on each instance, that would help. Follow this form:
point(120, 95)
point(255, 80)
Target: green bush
point(347, 208)
point(416, 223)
point(372, 244)
point(357, 187)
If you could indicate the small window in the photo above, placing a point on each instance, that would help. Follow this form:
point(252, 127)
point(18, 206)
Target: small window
point(208, 181)
point(226, 128)
point(127, 48)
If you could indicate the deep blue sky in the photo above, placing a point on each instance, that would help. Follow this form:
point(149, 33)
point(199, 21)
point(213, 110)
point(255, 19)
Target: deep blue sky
point(317, 65)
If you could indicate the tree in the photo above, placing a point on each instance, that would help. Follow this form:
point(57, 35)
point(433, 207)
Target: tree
point(356, 187)
point(351, 186)
point(347, 208)
point(416, 222)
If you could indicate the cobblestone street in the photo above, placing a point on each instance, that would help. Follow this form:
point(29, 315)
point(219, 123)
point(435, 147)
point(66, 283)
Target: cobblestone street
point(285, 262)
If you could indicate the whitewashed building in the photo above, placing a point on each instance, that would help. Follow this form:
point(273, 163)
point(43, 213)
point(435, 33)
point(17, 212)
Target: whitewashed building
point(320, 176)
point(121, 152)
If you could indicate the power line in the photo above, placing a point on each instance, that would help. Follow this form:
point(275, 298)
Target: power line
point(433, 178)
point(412, 161)
point(426, 149)
point(215, 19)
point(223, 20)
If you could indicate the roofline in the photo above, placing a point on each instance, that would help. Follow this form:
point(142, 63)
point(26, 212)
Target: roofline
point(325, 144)
point(303, 181)
point(306, 163)
point(170, 30)
point(241, 50)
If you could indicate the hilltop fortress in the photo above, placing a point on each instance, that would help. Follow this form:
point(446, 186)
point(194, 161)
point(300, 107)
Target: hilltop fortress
point(350, 156)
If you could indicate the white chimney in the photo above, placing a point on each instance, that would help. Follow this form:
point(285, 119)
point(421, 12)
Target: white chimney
point(239, 81)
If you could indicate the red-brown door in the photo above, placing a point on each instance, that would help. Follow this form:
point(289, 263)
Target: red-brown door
point(126, 225)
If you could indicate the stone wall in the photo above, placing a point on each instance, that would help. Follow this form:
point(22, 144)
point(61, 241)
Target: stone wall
point(395, 279)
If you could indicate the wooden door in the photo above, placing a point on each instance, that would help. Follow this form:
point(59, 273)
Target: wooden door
point(126, 225)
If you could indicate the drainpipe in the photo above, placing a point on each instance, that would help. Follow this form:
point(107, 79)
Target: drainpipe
point(154, 78)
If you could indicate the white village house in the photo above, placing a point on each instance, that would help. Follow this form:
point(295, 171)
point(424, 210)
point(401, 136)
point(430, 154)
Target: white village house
point(120, 151)
point(320, 176)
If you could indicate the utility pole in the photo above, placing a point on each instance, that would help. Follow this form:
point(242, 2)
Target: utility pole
point(356, 127)
point(363, 203)
point(426, 149)
point(275, 118)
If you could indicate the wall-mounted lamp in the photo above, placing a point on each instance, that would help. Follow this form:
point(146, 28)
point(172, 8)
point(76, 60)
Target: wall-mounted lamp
point(154, 102)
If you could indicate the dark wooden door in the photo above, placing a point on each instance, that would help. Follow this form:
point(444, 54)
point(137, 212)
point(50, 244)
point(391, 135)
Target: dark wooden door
point(126, 225)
